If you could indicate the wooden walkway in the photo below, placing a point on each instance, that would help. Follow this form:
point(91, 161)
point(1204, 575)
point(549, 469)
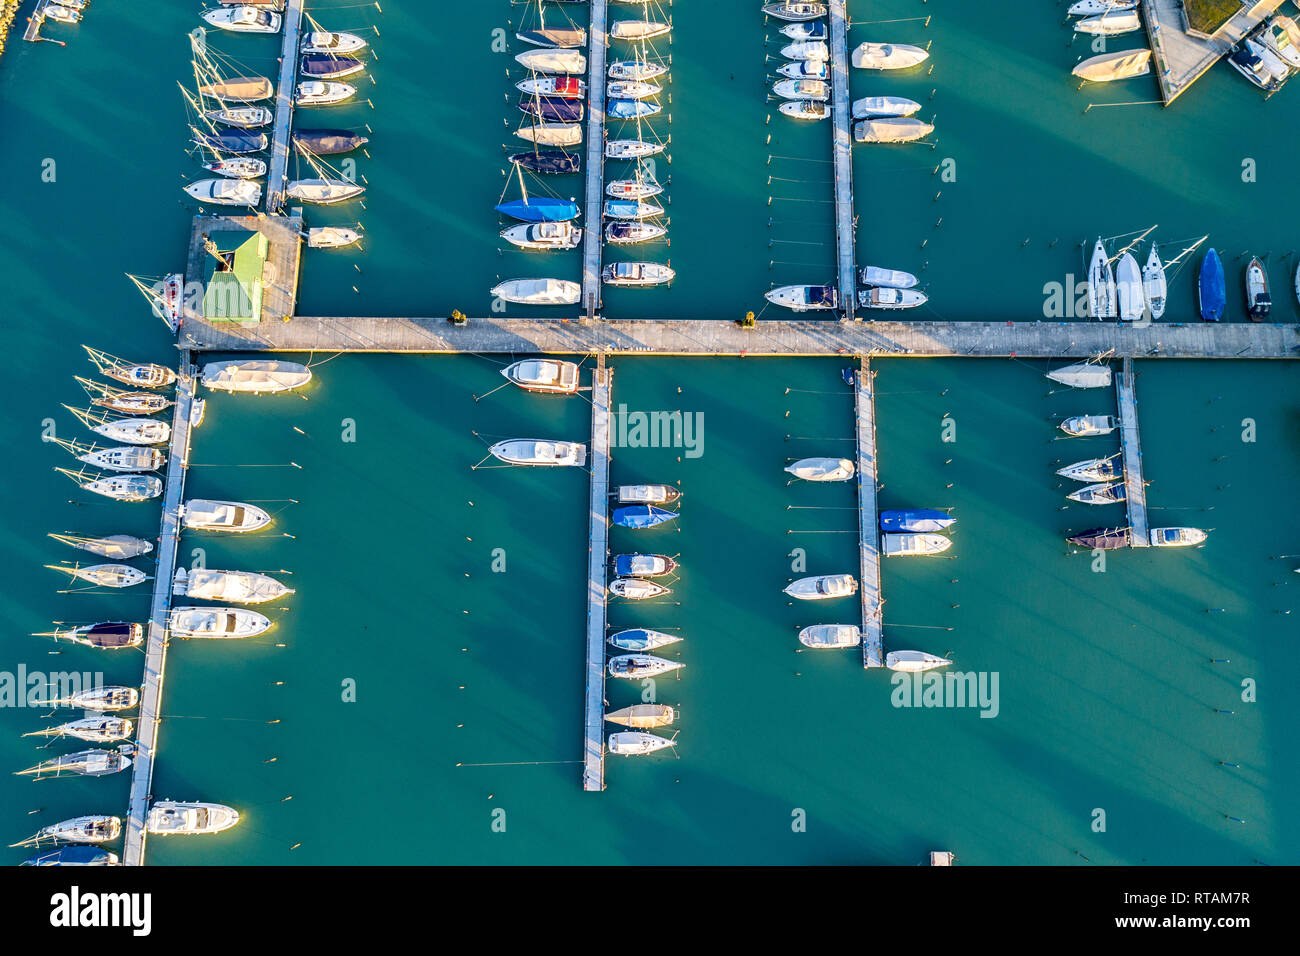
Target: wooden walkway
point(598, 45)
point(279, 273)
point(593, 738)
point(501, 336)
point(864, 406)
point(146, 741)
point(842, 146)
point(1181, 58)
point(284, 106)
point(1135, 488)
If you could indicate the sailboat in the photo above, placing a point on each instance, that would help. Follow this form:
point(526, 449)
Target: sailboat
point(1102, 493)
point(97, 729)
point(637, 666)
point(102, 699)
point(822, 469)
point(256, 376)
point(636, 743)
point(637, 29)
point(121, 458)
point(128, 373)
point(638, 69)
point(1128, 287)
point(795, 12)
point(870, 107)
point(914, 661)
point(538, 208)
point(132, 431)
point(553, 61)
point(83, 763)
point(107, 635)
point(1117, 65)
point(637, 589)
point(239, 89)
point(1259, 301)
point(631, 209)
point(1103, 302)
point(561, 87)
point(119, 487)
point(552, 109)
point(911, 545)
point(554, 161)
point(551, 134)
point(93, 828)
point(324, 192)
point(118, 400)
point(641, 516)
point(1102, 539)
point(104, 575)
point(626, 233)
point(115, 546)
point(1110, 24)
point(326, 66)
point(1082, 375)
point(1086, 8)
point(643, 715)
point(238, 168)
point(1093, 469)
point(74, 855)
point(325, 142)
point(916, 520)
point(631, 89)
point(242, 117)
point(331, 237)
point(1154, 285)
point(641, 639)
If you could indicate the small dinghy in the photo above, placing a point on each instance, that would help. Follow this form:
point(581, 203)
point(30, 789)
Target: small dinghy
point(1102, 539)
point(635, 743)
point(538, 291)
point(336, 43)
point(1103, 493)
point(643, 565)
point(244, 18)
point(916, 520)
point(830, 636)
point(871, 107)
point(531, 451)
point(636, 274)
point(74, 856)
point(914, 545)
point(331, 237)
point(914, 661)
point(174, 818)
point(117, 547)
point(104, 575)
point(891, 129)
point(631, 209)
point(1128, 289)
point(630, 109)
point(241, 117)
point(632, 189)
point(637, 589)
point(543, 235)
point(325, 66)
point(1259, 301)
point(553, 61)
point(886, 278)
point(1082, 375)
point(641, 639)
point(94, 828)
point(1120, 65)
point(216, 622)
point(552, 109)
point(125, 458)
point(818, 90)
point(226, 192)
point(808, 30)
point(1211, 290)
point(236, 141)
point(626, 233)
point(636, 666)
point(241, 587)
point(1155, 288)
point(239, 89)
point(554, 39)
point(1176, 537)
point(822, 469)
point(1094, 469)
point(631, 89)
point(539, 209)
point(206, 514)
point(635, 70)
point(97, 729)
point(891, 298)
point(641, 516)
point(327, 142)
point(1110, 24)
point(544, 375)
point(237, 168)
point(805, 70)
point(561, 87)
point(97, 699)
point(803, 298)
point(1088, 8)
point(107, 635)
point(255, 376)
point(805, 109)
point(1082, 426)
point(647, 494)
point(807, 50)
point(795, 11)
point(322, 93)
point(126, 487)
point(324, 192)
point(643, 715)
point(134, 431)
point(83, 763)
point(823, 587)
point(551, 134)
point(637, 29)
point(888, 56)
point(551, 161)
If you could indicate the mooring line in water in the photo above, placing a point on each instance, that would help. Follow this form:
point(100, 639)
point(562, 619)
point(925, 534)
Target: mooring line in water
point(518, 763)
point(799, 531)
point(929, 627)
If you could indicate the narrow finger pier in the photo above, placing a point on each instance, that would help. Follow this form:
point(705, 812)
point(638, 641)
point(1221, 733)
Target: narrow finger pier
point(1135, 488)
point(593, 741)
point(597, 48)
point(843, 155)
point(864, 403)
point(146, 742)
point(284, 106)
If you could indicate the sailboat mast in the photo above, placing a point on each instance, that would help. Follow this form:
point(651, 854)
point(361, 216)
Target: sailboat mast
point(1189, 249)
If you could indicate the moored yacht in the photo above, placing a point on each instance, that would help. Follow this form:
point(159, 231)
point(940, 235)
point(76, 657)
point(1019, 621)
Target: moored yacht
point(331, 237)
point(319, 42)
point(914, 661)
point(244, 18)
point(629, 232)
point(916, 520)
point(544, 375)
point(324, 192)
point(108, 698)
point(173, 818)
point(322, 93)
point(1094, 469)
point(1102, 493)
point(126, 487)
point(1083, 426)
point(206, 514)
point(226, 192)
point(530, 451)
point(882, 298)
point(93, 828)
point(822, 469)
point(636, 273)
point(891, 129)
point(115, 546)
point(803, 298)
point(635, 743)
point(642, 565)
point(125, 458)
point(637, 589)
point(97, 729)
point(887, 56)
point(1082, 375)
point(907, 545)
point(1259, 301)
point(641, 639)
point(830, 636)
point(886, 278)
point(255, 376)
point(647, 494)
point(795, 12)
point(538, 291)
point(216, 622)
point(1176, 537)
point(643, 715)
point(83, 763)
point(243, 587)
point(107, 635)
point(823, 587)
point(1102, 539)
point(104, 575)
point(543, 235)
point(634, 666)
point(134, 431)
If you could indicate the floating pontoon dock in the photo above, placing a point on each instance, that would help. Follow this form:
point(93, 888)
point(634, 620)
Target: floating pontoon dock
point(1135, 489)
point(593, 740)
point(597, 47)
point(284, 106)
point(864, 405)
point(1181, 58)
point(146, 741)
point(843, 154)
point(33, 31)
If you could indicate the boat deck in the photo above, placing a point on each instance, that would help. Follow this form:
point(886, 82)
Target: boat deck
point(279, 274)
point(843, 155)
point(1181, 58)
point(864, 405)
point(284, 106)
point(598, 46)
point(593, 738)
point(146, 741)
point(1131, 446)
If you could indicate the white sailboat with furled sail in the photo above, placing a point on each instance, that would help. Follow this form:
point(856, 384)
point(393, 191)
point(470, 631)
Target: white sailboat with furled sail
point(326, 188)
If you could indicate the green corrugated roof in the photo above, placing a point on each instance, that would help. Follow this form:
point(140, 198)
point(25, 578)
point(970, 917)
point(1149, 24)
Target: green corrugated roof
point(235, 294)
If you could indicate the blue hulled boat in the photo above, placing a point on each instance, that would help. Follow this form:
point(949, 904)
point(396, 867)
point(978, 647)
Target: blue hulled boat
point(641, 516)
point(75, 855)
point(540, 209)
point(1211, 289)
point(915, 520)
point(233, 141)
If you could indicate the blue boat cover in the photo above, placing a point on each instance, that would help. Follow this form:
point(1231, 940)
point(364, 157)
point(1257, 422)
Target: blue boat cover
point(327, 141)
point(77, 855)
point(1213, 295)
point(540, 209)
point(630, 109)
point(233, 141)
point(915, 520)
point(324, 64)
point(641, 516)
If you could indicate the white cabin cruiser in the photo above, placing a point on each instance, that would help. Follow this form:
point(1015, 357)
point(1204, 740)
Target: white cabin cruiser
point(647, 494)
point(255, 376)
point(807, 50)
point(913, 545)
point(1177, 537)
point(1128, 289)
point(883, 298)
point(553, 61)
point(1088, 8)
point(636, 273)
point(544, 375)
point(1282, 39)
point(206, 514)
point(886, 278)
point(226, 192)
point(331, 237)
point(635, 743)
point(172, 818)
point(322, 93)
point(805, 70)
point(818, 90)
point(543, 235)
point(891, 129)
point(336, 43)
point(1110, 24)
point(244, 18)
point(830, 636)
point(538, 291)
point(529, 451)
point(888, 56)
point(913, 662)
point(244, 587)
point(1082, 426)
point(870, 107)
point(217, 622)
point(803, 298)
point(805, 109)
point(823, 587)
point(822, 469)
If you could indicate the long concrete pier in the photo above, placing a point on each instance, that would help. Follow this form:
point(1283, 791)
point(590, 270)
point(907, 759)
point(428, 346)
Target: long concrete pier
point(593, 737)
point(843, 156)
point(1135, 489)
point(597, 46)
point(284, 106)
point(1182, 57)
point(864, 405)
point(146, 740)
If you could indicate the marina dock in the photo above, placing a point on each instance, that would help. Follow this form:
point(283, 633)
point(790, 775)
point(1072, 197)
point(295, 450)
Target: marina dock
point(279, 271)
point(864, 407)
point(1135, 488)
point(1180, 58)
point(34, 22)
point(284, 106)
point(842, 146)
point(146, 741)
point(593, 738)
point(598, 45)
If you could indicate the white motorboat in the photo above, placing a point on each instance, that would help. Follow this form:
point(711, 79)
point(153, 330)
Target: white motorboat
point(631, 89)
point(637, 29)
point(61, 14)
point(563, 87)
point(83, 763)
point(806, 30)
point(637, 589)
point(912, 544)
point(1088, 8)
point(873, 107)
point(1082, 375)
point(795, 12)
point(1177, 537)
point(1103, 300)
point(216, 622)
point(255, 376)
point(807, 50)
point(888, 56)
point(1259, 299)
point(627, 233)
point(93, 828)
point(891, 298)
point(1128, 288)
point(529, 451)
point(244, 18)
point(1110, 24)
point(631, 149)
point(126, 487)
point(125, 458)
point(206, 514)
point(553, 61)
point(134, 431)
point(886, 278)
point(1083, 426)
point(913, 662)
point(891, 129)
point(635, 70)
point(643, 715)
point(830, 636)
point(636, 666)
point(331, 237)
point(805, 109)
point(544, 375)
point(322, 93)
point(242, 587)
point(641, 639)
point(805, 70)
point(95, 729)
point(336, 43)
point(324, 192)
point(538, 291)
point(643, 565)
point(823, 587)
point(100, 699)
point(1117, 65)
point(636, 273)
point(1094, 469)
point(175, 818)
point(1282, 38)
point(240, 168)
point(647, 494)
point(1155, 288)
point(822, 469)
point(104, 575)
point(631, 209)
point(1101, 493)
point(241, 117)
point(635, 743)
point(1278, 70)
point(803, 298)
point(818, 90)
point(226, 192)
point(632, 189)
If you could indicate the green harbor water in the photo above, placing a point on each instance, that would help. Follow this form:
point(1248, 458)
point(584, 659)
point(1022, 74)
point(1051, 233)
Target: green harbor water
point(468, 681)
